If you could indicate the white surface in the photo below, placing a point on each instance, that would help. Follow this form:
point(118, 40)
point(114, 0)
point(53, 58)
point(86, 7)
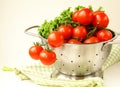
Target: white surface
point(112, 76)
point(9, 79)
point(17, 15)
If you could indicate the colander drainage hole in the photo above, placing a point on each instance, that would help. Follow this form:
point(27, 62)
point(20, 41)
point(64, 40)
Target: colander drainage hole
point(78, 66)
point(89, 61)
point(61, 54)
point(102, 58)
point(71, 61)
point(59, 68)
point(63, 64)
point(96, 54)
point(72, 70)
point(94, 64)
point(78, 55)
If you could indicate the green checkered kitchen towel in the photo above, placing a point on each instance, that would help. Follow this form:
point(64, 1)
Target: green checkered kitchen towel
point(40, 74)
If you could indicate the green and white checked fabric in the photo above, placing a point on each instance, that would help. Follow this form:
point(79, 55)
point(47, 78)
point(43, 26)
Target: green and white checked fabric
point(40, 74)
point(113, 58)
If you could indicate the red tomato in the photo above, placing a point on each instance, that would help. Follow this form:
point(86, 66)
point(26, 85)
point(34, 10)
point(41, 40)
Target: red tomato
point(55, 39)
point(100, 19)
point(83, 16)
point(92, 39)
point(74, 41)
point(34, 52)
point(75, 16)
point(79, 32)
point(47, 57)
point(104, 35)
point(66, 31)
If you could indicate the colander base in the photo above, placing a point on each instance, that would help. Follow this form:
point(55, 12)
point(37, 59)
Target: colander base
point(59, 75)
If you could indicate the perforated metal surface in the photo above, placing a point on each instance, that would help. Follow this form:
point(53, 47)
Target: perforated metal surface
point(73, 59)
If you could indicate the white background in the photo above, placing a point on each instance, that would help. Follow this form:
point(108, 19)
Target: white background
point(17, 15)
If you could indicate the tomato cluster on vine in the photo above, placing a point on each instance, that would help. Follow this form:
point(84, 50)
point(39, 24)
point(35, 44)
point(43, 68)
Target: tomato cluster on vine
point(45, 55)
point(92, 28)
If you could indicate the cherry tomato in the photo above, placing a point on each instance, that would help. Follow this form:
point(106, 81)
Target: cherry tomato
point(34, 52)
point(79, 32)
point(66, 31)
point(47, 57)
point(83, 16)
point(104, 35)
point(55, 39)
point(75, 16)
point(92, 39)
point(100, 19)
point(74, 41)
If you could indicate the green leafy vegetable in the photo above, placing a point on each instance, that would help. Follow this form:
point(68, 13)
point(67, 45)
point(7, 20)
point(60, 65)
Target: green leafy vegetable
point(52, 25)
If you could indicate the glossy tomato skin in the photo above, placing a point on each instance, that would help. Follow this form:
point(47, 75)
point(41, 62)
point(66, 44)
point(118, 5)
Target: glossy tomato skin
point(83, 16)
point(92, 39)
point(55, 39)
point(34, 52)
point(47, 57)
point(75, 16)
point(74, 41)
point(66, 31)
point(104, 35)
point(100, 19)
point(79, 32)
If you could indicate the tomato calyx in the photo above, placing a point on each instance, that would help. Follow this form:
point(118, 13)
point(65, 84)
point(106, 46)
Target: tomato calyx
point(91, 32)
point(78, 8)
point(46, 47)
point(37, 44)
point(100, 9)
point(72, 23)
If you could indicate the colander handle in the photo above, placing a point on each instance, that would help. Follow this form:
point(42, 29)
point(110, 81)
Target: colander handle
point(27, 31)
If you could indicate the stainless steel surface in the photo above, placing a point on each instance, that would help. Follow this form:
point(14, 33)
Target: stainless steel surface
point(73, 59)
point(59, 75)
point(29, 32)
point(81, 59)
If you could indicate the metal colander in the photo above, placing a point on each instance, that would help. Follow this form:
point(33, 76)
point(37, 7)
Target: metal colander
point(80, 59)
